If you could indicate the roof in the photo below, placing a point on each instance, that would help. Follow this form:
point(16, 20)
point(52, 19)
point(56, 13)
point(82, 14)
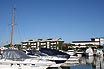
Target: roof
point(98, 38)
point(42, 40)
point(83, 41)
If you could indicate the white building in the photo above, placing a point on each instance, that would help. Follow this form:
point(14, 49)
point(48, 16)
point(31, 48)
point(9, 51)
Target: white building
point(52, 43)
point(93, 42)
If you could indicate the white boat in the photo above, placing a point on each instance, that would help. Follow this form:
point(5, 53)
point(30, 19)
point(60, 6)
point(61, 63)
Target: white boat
point(70, 52)
point(54, 58)
point(99, 52)
point(1, 49)
point(89, 52)
point(39, 55)
point(54, 55)
point(15, 59)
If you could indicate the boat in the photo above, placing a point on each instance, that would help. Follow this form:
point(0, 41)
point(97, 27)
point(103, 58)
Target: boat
point(56, 59)
point(53, 52)
point(99, 53)
point(1, 50)
point(89, 52)
point(16, 59)
point(57, 56)
point(54, 55)
point(70, 52)
point(40, 55)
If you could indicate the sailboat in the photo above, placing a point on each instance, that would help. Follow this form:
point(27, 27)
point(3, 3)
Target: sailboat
point(16, 59)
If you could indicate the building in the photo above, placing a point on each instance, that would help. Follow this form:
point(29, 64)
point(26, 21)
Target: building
point(93, 41)
point(52, 43)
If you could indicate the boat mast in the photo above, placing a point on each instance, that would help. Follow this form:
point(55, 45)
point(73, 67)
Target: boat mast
point(12, 30)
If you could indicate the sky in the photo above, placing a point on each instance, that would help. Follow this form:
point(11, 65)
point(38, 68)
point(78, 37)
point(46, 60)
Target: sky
point(70, 20)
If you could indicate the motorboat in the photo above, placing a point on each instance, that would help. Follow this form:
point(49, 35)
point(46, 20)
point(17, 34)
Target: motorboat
point(53, 52)
point(37, 54)
point(1, 50)
point(56, 59)
point(99, 52)
point(70, 52)
point(54, 55)
point(16, 59)
point(89, 52)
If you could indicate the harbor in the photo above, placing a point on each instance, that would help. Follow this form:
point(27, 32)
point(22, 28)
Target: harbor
point(53, 34)
point(51, 59)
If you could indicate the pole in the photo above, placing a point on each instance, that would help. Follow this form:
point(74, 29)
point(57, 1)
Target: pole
point(12, 30)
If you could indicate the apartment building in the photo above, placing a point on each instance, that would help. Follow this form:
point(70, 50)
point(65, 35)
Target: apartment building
point(93, 41)
point(52, 43)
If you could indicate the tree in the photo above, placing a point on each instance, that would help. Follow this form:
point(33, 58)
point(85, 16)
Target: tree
point(71, 45)
point(7, 46)
point(59, 45)
point(18, 46)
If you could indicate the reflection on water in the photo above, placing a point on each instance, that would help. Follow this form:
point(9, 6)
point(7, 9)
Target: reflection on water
point(96, 62)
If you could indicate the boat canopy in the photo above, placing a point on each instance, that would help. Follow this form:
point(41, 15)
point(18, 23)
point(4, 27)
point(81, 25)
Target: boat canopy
point(13, 54)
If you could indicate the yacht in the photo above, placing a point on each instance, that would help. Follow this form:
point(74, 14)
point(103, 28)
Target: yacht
point(56, 59)
point(99, 52)
point(37, 54)
point(89, 52)
point(70, 52)
point(15, 59)
point(53, 52)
